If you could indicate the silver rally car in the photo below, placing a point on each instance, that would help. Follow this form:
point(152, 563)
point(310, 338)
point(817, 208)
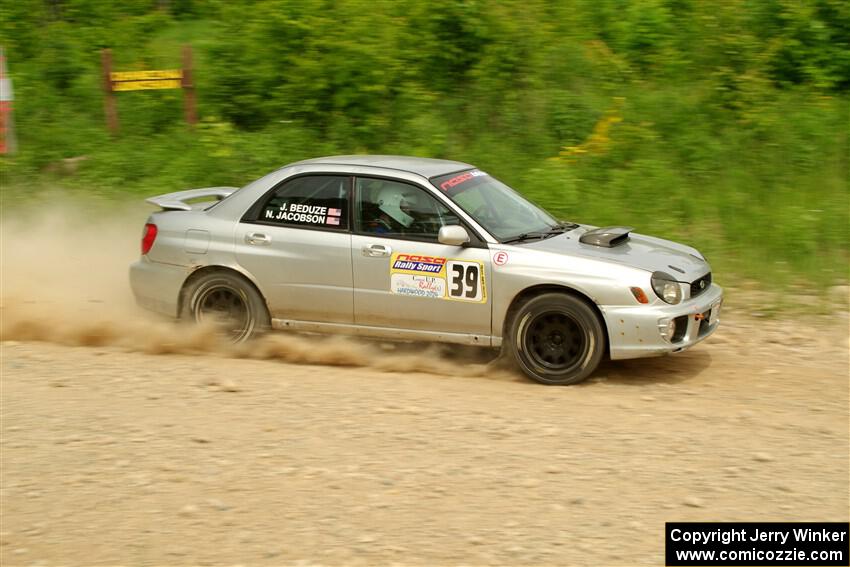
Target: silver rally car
point(421, 249)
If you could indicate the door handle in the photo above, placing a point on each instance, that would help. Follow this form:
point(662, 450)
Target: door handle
point(258, 238)
point(376, 250)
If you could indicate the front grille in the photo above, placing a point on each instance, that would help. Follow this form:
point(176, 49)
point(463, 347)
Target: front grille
point(700, 285)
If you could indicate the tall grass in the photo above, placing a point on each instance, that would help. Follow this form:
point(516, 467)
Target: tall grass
point(722, 126)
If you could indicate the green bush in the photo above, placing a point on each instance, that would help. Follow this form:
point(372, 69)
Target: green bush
point(721, 124)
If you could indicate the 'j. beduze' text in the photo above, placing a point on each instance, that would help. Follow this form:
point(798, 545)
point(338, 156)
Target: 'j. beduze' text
point(298, 213)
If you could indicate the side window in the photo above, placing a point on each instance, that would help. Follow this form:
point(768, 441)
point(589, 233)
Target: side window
point(393, 208)
point(317, 201)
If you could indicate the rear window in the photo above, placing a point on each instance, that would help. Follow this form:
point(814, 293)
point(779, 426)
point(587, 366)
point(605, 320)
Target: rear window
point(316, 201)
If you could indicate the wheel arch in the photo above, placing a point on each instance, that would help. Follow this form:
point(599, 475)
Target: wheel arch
point(210, 269)
point(535, 290)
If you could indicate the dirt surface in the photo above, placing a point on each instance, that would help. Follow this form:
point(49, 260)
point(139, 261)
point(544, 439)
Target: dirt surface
point(116, 457)
point(129, 441)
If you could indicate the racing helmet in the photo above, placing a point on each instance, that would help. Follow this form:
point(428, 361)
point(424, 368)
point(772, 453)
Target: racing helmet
point(391, 199)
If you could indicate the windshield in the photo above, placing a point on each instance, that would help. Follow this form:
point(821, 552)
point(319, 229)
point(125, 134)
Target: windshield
point(498, 208)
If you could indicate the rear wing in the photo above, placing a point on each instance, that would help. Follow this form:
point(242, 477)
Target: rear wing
point(177, 201)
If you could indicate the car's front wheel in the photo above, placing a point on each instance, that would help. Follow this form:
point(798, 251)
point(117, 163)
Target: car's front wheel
point(227, 301)
point(556, 338)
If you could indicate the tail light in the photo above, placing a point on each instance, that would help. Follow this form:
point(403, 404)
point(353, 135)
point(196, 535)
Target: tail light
point(148, 237)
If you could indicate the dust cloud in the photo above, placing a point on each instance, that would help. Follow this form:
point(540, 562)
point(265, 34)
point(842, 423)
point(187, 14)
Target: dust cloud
point(64, 280)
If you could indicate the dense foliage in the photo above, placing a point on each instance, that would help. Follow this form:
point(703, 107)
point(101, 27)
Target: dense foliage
point(723, 124)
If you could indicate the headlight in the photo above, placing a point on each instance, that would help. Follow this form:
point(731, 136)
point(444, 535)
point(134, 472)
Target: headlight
point(667, 288)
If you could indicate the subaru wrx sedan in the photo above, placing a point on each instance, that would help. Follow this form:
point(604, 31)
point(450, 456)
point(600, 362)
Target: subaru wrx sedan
point(419, 249)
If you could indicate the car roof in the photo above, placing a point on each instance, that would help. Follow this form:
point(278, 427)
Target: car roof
point(426, 167)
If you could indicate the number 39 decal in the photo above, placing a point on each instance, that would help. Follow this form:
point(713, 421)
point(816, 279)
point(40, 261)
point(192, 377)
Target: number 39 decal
point(466, 281)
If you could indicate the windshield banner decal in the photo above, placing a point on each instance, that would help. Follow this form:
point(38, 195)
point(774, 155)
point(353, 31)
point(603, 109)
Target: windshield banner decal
point(458, 179)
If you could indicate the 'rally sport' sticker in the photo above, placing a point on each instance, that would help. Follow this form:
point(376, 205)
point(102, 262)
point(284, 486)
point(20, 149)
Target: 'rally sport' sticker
point(436, 277)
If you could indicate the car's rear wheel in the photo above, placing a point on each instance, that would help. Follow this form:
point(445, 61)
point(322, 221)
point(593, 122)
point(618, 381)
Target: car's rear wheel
point(556, 338)
point(227, 301)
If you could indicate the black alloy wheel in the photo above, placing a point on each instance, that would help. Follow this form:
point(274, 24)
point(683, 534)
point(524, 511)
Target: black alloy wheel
point(556, 338)
point(555, 341)
point(226, 308)
point(229, 302)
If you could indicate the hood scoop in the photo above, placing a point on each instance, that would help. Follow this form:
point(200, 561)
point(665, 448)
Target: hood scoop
point(607, 237)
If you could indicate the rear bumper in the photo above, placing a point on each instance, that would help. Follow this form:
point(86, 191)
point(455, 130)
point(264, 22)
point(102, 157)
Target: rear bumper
point(634, 331)
point(156, 286)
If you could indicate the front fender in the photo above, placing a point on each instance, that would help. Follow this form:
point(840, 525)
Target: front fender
point(602, 283)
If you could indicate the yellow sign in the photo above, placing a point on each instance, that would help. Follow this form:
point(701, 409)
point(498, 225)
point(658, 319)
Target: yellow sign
point(146, 75)
point(146, 85)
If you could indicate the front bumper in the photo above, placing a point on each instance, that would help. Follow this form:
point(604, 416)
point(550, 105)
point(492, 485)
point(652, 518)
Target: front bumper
point(156, 286)
point(633, 331)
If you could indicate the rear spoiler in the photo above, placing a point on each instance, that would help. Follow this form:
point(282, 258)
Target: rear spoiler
point(177, 201)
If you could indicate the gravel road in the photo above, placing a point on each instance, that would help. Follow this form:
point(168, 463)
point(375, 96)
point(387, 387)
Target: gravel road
point(126, 440)
point(111, 456)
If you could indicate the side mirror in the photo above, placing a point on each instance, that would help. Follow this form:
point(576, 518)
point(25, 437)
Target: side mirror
point(453, 235)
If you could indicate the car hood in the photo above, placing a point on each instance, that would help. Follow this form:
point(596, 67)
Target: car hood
point(652, 254)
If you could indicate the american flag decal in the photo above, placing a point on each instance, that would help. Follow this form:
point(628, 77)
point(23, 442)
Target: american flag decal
point(335, 212)
point(332, 220)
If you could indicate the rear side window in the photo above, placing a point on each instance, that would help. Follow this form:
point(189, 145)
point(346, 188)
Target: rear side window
point(313, 201)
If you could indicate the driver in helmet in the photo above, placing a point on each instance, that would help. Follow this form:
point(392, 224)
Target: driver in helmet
point(397, 208)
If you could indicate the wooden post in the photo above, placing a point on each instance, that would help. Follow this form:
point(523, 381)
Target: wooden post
point(188, 87)
point(109, 100)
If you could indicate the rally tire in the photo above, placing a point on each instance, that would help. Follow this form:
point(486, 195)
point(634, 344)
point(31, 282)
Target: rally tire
point(555, 339)
point(230, 301)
